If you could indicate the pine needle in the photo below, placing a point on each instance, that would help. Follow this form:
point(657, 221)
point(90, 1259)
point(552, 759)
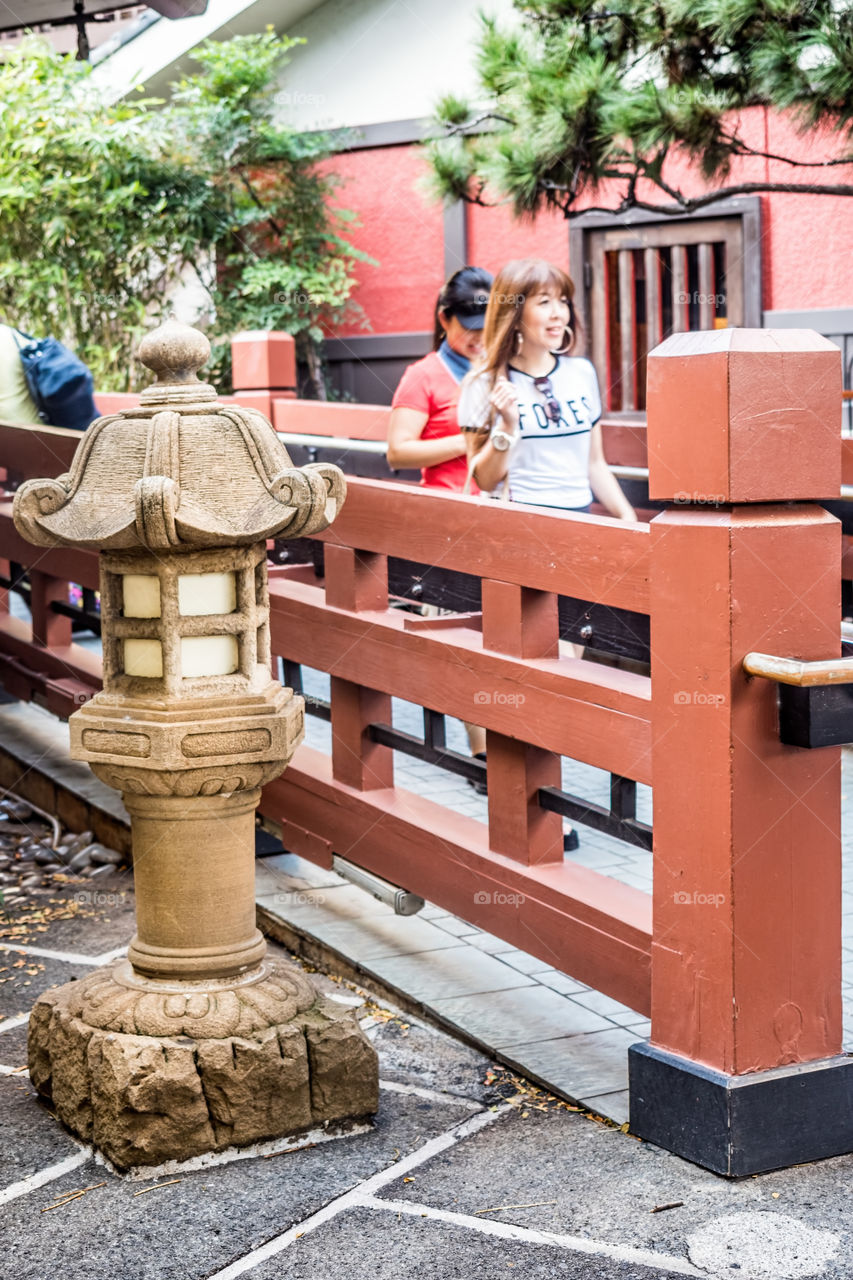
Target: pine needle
point(145, 1191)
point(499, 1207)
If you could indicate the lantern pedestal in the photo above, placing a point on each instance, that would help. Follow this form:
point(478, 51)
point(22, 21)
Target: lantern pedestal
point(151, 1071)
point(196, 1042)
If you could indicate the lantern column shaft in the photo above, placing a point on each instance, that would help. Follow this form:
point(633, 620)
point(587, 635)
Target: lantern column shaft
point(194, 873)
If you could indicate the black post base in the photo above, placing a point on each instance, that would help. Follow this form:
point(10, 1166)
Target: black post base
point(739, 1125)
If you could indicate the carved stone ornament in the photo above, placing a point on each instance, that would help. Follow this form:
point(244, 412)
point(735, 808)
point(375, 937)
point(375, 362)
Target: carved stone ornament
point(182, 470)
point(195, 1042)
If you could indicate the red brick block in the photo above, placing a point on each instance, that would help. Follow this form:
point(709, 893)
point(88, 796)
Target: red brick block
point(263, 360)
point(744, 415)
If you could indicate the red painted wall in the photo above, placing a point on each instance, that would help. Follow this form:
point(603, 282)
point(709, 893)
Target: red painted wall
point(402, 229)
point(806, 240)
point(494, 237)
point(809, 239)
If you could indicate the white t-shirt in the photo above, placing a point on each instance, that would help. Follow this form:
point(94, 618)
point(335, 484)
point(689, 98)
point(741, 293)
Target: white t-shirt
point(549, 462)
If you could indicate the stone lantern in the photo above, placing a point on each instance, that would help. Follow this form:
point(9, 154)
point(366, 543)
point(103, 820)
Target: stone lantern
point(196, 1042)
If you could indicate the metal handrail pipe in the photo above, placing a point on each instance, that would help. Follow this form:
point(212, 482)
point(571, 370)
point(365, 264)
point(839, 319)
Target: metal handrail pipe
point(802, 674)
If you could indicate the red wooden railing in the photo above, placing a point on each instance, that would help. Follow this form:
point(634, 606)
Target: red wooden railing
point(738, 956)
point(535, 702)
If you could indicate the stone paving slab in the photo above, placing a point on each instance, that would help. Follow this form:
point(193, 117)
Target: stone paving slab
point(590, 1180)
point(584, 1066)
point(510, 1018)
point(21, 986)
point(419, 1249)
point(85, 916)
point(13, 1047)
point(391, 936)
point(32, 1139)
point(209, 1218)
point(332, 903)
point(460, 971)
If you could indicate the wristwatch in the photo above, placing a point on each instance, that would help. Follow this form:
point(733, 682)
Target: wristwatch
point(501, 440)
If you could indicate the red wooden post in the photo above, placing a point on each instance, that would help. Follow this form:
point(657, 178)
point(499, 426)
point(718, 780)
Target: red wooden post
point(355, 580)
point(358, 581)
point(263, 368)
point(523, 623)
point(746, 954)
point(51, 630)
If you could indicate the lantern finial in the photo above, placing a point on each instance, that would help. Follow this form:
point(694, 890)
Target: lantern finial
point(174, 352)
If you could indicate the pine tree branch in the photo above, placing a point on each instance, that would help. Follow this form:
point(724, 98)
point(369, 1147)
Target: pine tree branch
point(684, 204)
point(740, 148)
point(468, 126)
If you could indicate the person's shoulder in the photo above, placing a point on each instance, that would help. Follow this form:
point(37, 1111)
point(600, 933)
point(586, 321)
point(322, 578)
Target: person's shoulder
point(477, 379)
point(474, 393)
point(424, 367)
point(476, 387)
point(578, 369)
point(581, 365)
point(418, 379)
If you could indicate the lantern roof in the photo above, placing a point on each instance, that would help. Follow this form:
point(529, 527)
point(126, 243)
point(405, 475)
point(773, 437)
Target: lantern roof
point(181, 471)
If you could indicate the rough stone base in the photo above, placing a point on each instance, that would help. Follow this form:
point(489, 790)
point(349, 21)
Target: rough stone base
point(144, 1099)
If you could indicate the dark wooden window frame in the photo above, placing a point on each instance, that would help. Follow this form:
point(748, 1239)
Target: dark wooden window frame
point(747, 210)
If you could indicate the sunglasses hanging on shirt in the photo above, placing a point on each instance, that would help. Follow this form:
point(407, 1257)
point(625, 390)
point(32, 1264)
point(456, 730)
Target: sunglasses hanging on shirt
point(552, 404)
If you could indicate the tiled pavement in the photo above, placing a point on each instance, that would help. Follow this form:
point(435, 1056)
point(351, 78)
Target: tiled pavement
point(545, 1023)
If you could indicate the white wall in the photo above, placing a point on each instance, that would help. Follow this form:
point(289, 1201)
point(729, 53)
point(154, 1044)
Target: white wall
point(368, 61)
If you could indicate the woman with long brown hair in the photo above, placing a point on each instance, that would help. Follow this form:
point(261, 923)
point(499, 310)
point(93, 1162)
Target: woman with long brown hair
point(532, 408)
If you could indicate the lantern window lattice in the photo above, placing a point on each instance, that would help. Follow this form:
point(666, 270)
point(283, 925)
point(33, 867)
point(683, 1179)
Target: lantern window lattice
point(177, 622)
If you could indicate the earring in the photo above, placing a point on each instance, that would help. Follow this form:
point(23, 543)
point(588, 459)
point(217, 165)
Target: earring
point(567, 345)
point(519, 339)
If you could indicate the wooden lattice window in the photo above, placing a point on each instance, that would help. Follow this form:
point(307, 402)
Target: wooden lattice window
point(644, 279)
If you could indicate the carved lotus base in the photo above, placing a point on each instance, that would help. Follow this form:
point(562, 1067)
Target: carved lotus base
point(150, 1071)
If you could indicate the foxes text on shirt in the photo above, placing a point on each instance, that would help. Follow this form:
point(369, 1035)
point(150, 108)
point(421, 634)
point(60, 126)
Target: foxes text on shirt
point(549, 462)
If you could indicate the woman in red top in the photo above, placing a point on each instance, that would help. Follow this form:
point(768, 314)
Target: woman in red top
point(423, 431)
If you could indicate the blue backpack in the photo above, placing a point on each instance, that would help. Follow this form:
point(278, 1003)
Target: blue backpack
point(59, 382)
